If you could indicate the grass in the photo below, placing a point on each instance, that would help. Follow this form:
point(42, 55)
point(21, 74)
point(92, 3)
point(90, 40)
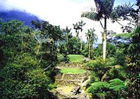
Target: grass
point(72, 71)
point(72, 57)
point(76, 58)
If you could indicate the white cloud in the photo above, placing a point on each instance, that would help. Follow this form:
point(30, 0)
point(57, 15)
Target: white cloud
point(59, 12)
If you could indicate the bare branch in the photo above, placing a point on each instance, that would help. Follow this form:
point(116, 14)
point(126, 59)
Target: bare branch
point(47, 67)
point(36, 38)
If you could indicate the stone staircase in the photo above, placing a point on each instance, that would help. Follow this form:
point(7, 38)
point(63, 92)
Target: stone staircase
point(70, 79)
point(75, 82)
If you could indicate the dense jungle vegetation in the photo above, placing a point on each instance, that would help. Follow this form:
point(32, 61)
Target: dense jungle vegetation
point(29, 55)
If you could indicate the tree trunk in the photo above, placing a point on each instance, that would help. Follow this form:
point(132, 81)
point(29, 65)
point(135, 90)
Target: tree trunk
point(67, 41)
point(104, 39)
point(90, 47)
point(89, 51)
point(81, 47)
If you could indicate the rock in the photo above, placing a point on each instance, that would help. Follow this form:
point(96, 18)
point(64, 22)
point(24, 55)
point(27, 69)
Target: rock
point(81, 97)
point(87, 59)
point(76, 90)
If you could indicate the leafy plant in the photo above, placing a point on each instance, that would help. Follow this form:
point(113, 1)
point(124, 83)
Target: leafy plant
point(98, 89)
point(114, 89)
point(98, 66)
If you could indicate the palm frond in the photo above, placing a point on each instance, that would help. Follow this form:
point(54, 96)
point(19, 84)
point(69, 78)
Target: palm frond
point(104, 7)
point(124, 12)
point(98, 5)
point(92, 15)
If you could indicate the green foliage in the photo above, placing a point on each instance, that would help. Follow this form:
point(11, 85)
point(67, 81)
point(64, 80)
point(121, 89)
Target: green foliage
point(47, 37)
point(120, 56)
point(98, 89)
point(117, 84)
point(98, 85)
point(51, 86)
point(116, 72)
point(124, 12)
point(111, 61)
point(63, 58)
point(78, 27)
point(124, 36)
point(93, 77)
point(98, 66)
point(98, 51)
point(74, 45)
point(104, 8)
point(110, 51)
point(133, 65)
point(91, 38)
point(114, 89)
point(23, 79)
point(24, 55)
point(95, 64)
point(85, 50)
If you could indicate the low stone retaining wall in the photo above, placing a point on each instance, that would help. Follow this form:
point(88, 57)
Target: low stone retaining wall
point(70, 79)
point(70, 65)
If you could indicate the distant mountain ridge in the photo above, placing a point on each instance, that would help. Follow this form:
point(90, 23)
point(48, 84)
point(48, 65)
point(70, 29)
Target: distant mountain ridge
point(23, 16)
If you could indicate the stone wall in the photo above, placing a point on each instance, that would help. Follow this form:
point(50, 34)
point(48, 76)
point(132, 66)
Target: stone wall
point(70, 79)
point(70, 65)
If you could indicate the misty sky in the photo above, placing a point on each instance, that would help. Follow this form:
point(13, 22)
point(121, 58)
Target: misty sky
point(60, 12)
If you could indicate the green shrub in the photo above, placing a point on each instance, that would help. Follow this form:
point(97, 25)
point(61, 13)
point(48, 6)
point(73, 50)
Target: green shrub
point(60, 57)
point(51, 86)
point(116, 73)
point(93, 77)
point(114, 89)
point(120, 57)
point(111, 61)
point(117, 84)
point(95, 64)
point(98, 66)
point(98, 89)
point(32, 84)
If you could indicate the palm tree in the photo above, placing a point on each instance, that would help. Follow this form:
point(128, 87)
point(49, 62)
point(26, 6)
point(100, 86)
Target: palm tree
point(104, 9)
point(91, 37)
point(79, 27)
point(68, 34)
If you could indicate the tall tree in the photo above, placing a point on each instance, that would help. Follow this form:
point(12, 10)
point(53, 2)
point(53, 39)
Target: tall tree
point(91, 37)
point(67, 35)
point(21, 76)
point(105, 11)
point(79, 27)
point(47, 38)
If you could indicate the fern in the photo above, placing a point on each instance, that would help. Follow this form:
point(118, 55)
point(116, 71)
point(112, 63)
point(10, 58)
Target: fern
point(117, 84)
point(114, 88)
